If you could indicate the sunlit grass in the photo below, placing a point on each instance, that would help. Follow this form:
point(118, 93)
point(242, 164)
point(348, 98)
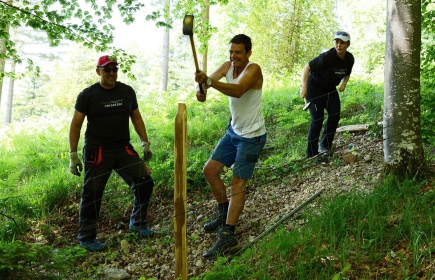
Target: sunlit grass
point(386, 234)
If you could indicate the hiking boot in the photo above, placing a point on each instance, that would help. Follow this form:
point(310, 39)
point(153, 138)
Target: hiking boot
point(144, 232)
point(320, 159)
point(219, 220)
point(325, 151)
point(92, 245)
point(226, 243)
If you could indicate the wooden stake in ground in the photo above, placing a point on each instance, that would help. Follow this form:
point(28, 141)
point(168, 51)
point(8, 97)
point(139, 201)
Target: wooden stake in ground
point(180, 182)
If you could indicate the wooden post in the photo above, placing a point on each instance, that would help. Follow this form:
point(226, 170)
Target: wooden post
point(180, 182)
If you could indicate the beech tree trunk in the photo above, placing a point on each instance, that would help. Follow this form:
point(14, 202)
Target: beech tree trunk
point(403, 152)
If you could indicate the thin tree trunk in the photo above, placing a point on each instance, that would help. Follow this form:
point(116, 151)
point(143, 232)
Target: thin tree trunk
point(9, 97)
point(403, 152)
point(206, 18)
point(165, 52)
point(3, 61)
point(2, 67)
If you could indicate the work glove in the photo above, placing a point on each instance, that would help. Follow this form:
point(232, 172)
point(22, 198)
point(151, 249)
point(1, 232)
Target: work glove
point(75, 165)
point(147, 154)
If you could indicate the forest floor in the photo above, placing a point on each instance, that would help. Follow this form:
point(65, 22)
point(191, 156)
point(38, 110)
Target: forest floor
point(265, 205)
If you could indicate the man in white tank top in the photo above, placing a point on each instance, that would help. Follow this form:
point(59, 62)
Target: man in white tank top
point(241, 145)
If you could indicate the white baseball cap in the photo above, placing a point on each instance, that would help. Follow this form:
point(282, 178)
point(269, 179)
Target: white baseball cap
point(342, 35)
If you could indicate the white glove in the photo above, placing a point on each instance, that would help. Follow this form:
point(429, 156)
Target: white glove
point(147, 154)
point(75, 162)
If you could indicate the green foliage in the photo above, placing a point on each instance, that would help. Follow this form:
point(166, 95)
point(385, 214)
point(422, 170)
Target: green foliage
point(283, 112)
point(53, 18)
point(366, 22)
point(427, 71)
point(341, 274)
point(202, 27)
point(228, 270)
point(427, 114)
point(32, 181)
point(90, 24)
point(285, 34)
point(375, 130)
point(20, 260)
point(361, 102)
point(427, 48)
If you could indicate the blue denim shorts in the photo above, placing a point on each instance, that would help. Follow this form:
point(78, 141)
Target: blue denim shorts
point(240, 151)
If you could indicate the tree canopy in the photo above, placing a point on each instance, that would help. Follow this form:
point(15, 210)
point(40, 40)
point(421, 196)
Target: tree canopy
point(88, 24)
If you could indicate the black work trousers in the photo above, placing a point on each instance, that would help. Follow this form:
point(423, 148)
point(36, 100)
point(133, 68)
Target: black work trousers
point(322, 99)
point(99, 164)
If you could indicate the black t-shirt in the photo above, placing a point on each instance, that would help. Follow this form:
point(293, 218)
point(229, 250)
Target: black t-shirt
point(328, 69)
point(108, 112)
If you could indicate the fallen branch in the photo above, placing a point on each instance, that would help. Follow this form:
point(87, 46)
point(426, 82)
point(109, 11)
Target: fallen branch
point(354, 127)
point(11, 218)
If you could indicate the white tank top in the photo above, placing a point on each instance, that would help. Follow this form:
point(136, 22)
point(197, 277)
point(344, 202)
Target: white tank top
point(247, 116)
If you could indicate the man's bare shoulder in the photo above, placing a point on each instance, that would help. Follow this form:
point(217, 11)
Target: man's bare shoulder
point(225, 66)
point(222, 70)
point(254, 66)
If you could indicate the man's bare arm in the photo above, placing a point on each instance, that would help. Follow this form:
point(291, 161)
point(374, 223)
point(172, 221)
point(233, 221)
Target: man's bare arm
point(304, 80)
point(344, 83)
point(252, 79)
point(139, 125)
point(74, 130)
point(217, 75)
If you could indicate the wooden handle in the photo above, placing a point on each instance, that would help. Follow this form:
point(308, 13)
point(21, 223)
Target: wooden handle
point(194, 53)
point(196, 61)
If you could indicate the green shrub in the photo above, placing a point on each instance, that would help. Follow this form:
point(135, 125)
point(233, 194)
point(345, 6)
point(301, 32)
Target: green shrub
point(20, 260)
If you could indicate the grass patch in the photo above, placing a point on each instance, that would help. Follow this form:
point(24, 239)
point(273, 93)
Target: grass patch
point(386, 234)
point(36, 261)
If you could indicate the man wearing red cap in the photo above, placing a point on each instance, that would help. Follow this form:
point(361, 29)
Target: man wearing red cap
point(320, 77)
point(108, 105)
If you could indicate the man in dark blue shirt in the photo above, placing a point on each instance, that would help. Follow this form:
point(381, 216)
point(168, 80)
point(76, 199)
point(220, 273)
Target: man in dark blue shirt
point(320, 77)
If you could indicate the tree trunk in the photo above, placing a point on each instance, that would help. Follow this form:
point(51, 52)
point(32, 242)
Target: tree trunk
point(403, 152)
point(206, 18)
point(9, 97)
point(3, 51)
point(2, 67)
point(165, 51)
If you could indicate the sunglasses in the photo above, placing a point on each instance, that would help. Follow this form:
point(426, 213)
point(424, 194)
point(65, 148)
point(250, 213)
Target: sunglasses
point(109, 69)
point(342, 33)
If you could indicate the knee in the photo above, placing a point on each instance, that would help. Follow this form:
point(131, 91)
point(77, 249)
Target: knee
point(334, 117)
point(146, 181)
point(210, 172)
point(316, 124)
point(207, 172)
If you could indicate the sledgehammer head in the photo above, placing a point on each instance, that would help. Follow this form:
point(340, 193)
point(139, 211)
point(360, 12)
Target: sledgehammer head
point(188, 25)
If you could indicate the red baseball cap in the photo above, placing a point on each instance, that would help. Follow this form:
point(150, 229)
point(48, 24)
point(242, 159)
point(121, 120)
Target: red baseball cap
point(106, 59)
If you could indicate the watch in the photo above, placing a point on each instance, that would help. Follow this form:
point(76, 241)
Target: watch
point(208, 83)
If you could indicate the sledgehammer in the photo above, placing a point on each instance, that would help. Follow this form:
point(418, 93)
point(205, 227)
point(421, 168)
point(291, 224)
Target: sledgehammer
point(188, 30)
